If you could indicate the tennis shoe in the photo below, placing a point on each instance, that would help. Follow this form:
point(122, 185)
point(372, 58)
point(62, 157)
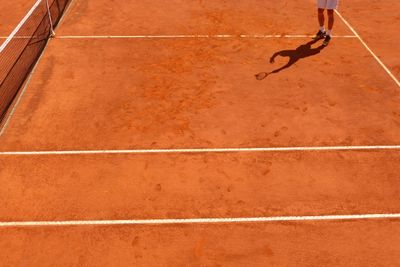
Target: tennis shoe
point(327, 40)
point(320, 35)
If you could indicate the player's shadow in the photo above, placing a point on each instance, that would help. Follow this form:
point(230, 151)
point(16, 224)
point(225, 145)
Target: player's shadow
point(303, 51)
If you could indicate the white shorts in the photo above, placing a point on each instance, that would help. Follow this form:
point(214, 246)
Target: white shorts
point(328, 4)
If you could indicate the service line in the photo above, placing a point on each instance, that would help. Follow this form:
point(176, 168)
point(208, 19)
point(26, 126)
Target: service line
point(194, 36)
point(199, 150)
point(201, 220)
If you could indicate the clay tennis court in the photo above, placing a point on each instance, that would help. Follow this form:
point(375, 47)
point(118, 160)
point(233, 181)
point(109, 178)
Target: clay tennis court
point(142, 137)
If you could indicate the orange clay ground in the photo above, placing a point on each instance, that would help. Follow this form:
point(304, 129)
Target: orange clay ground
point(11, 13)
point(118, 77)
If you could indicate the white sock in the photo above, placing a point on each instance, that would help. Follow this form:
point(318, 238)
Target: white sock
point(322, 29)
point(328, 32)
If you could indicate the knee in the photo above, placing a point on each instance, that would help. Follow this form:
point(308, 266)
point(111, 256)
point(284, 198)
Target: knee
point(320, 11)
point(330, 13)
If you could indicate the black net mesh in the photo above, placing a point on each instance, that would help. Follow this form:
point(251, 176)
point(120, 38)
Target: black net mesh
point(23, 48)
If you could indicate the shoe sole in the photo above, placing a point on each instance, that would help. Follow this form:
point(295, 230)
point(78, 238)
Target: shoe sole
point(318, 38)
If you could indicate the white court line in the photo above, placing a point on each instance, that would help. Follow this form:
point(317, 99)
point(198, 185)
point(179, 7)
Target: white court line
point(369, 49)
point(198, 150)
point(66, 11)
point(17, 37)
point(22, 22)
point(4, 125)
point(201, 220)
point(192, 36)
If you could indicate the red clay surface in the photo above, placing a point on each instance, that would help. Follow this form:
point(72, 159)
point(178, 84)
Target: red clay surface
point(192, 186)
point(358, 243)
point(186, 93)
point(149, 17)
point(121, 94)
point(378, 23)
point(11, 13)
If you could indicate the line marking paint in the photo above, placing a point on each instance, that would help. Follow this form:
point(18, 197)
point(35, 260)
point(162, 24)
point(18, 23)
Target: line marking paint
point(66, 11)
point(193, 36)
point(181, 36)
point(198, 150)
point(369, 49)
point(21, 23)
point(200, 220)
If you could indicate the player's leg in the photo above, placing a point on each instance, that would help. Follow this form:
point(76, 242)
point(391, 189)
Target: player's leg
point(332, 5)
point(331, 21)
point(321, 19)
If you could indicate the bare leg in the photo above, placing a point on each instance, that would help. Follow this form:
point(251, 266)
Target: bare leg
point(331, 19)
point(321, 17)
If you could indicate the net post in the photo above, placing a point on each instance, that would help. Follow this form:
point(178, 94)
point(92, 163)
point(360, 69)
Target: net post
point(52, 33)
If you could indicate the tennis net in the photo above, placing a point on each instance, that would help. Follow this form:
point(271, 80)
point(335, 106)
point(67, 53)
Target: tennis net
point(20, 51)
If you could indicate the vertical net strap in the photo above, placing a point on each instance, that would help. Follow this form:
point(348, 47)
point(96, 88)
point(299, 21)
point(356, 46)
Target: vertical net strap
point(50, 19)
